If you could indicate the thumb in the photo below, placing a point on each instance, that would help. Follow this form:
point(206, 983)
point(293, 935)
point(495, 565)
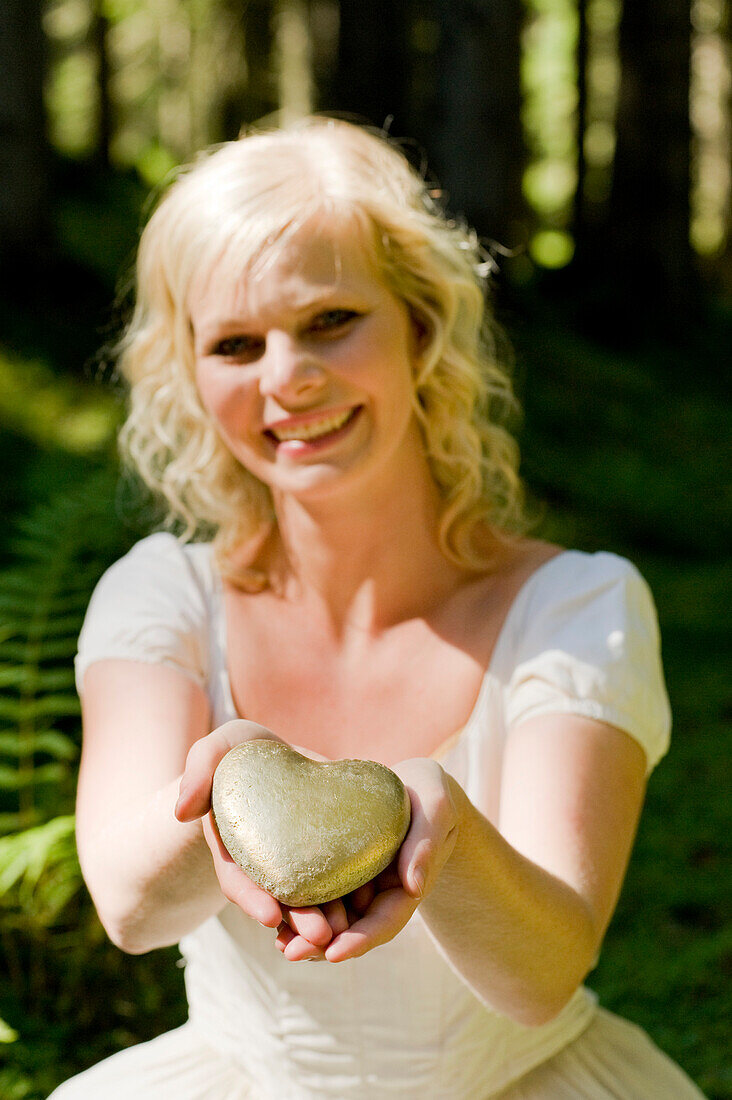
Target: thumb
point(432, 832)
point(204, 756)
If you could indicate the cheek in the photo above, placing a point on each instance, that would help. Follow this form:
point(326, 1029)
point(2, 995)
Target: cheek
point(385, 362)
point(225, 398)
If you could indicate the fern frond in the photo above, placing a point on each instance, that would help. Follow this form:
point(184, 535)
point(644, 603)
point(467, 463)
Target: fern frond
point(59, 550)
point(13, 823)
point(47, 741)
point(54, 625)
point(42, 679)
point(53, 649)
point(41, 867)
point(43, 706)
point(16, 779)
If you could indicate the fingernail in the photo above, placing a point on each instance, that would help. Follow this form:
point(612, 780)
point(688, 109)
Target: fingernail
point(418, 879)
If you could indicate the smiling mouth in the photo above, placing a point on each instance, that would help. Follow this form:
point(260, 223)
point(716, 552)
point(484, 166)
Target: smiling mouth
point(312, 430)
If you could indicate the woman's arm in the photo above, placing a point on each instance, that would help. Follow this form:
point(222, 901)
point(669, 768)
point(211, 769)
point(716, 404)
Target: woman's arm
point(536, 897)
point(520, 913)
point(150, 875)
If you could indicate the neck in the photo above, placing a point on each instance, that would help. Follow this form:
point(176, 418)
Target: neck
point(371, 562)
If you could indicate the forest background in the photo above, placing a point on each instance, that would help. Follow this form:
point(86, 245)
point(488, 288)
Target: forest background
point(589, 142)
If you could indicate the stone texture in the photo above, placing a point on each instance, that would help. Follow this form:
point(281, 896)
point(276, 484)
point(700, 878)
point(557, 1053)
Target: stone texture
point(304, 830)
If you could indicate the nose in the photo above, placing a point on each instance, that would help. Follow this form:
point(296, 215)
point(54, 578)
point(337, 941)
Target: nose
point(287, 370)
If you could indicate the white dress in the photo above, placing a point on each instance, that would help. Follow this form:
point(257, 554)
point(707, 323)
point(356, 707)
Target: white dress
point(581, 638)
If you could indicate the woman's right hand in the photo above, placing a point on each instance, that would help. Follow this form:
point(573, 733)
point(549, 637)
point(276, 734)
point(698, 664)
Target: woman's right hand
point(194, 801)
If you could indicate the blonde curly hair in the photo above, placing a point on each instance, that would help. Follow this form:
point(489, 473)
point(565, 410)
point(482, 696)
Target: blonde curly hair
point(234, 207)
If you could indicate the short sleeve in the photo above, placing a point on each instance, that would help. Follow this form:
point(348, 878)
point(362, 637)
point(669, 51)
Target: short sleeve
point(149, 606)
point(588, 644)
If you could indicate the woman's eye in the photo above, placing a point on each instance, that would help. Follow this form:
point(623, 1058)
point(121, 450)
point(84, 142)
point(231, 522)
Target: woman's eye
point(332, 319)
point(232, 347)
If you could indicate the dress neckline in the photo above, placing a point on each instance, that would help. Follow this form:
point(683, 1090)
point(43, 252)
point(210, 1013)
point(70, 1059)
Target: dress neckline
point(450, 743)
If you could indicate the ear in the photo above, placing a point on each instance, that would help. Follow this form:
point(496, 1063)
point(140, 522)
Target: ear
point(421, 333)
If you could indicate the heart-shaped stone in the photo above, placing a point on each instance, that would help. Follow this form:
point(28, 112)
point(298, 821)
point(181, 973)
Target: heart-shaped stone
point(307, 831)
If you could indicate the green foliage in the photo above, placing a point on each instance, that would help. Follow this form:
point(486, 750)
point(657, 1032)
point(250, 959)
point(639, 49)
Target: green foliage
point(52, 947)
point(170, 71)
point(39, 871)
point(7, 1034)
point(54, 411)
point(57, 554)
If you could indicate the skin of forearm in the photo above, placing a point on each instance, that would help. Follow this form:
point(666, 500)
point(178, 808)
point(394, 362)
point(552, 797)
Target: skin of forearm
point(522, 939)
point(150, 876)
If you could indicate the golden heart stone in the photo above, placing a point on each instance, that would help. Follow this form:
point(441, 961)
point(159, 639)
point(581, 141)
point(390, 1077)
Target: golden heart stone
point(307, 831)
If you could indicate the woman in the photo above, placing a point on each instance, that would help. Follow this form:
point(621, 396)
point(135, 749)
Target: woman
point(314, 384)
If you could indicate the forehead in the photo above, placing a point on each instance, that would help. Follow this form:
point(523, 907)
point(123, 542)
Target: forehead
point(303, 270)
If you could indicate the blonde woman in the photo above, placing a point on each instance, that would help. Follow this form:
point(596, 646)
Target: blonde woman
point(316, 394)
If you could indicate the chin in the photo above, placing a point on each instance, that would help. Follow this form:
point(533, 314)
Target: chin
point(313, 486)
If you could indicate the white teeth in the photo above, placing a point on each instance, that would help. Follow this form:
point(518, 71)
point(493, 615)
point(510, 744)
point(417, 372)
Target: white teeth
point(313, 429)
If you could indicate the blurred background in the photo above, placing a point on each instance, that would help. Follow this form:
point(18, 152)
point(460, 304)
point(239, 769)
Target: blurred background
point(589, 142)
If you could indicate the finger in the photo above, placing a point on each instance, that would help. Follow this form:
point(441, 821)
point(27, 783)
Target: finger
point(302, 952)
point(336, 916)
point(433, 827)
point(237, 887)
point(299, 949)
point(284, 936)
point(310, 923)
point(311, 754)
point(360, 899)
point(387, 915)
point(194, 797)
point(389, 878)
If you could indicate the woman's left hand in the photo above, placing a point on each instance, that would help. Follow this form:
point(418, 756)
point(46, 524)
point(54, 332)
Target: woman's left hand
point(377, 911)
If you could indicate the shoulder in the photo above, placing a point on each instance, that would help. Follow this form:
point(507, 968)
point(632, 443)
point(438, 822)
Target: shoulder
point(153, 605)
point(164, 546)
point(595, 606)
point(584, 639)
point(162, 564)
point(571, 580)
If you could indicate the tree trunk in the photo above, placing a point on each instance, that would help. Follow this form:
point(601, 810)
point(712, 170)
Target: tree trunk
point(473, 132)
point(261, 92)
point(372, 71)
point(648, 223)
point(105, 128)
point(24, 157)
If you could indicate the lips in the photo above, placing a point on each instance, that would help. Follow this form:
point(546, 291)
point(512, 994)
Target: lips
point(311, 428)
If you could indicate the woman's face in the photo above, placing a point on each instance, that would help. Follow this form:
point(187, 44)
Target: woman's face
point(307, 369)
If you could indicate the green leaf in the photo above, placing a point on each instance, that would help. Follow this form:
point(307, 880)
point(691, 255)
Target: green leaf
point(39, 679)
point(55, 744)
point(26, 856)
point(7, 1033)
point(60, 649)
point(16, 779)
point(12, 823)
point(45, 740)
point(44, 706)
point(11, 743)
point(57, 625)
